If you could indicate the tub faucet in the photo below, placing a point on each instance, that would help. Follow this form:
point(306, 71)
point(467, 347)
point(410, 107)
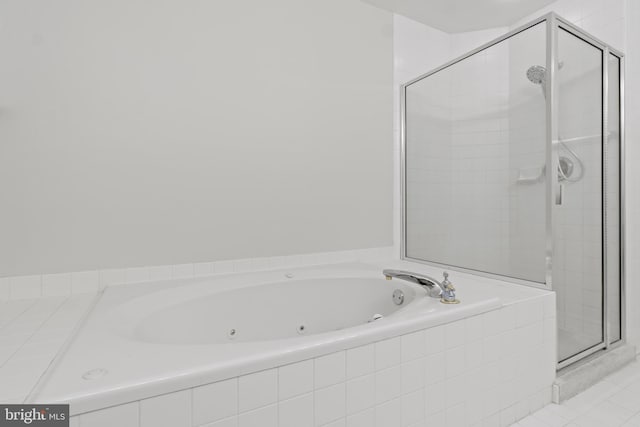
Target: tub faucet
point(436, 289)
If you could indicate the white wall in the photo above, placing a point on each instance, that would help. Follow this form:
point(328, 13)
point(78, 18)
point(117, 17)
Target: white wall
point(139, 134)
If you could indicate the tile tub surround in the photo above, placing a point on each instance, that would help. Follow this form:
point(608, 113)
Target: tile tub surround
point(496, 367)
point(83, 282)
point(32, 332)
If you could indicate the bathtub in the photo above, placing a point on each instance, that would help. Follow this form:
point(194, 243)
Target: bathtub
point(153, 339)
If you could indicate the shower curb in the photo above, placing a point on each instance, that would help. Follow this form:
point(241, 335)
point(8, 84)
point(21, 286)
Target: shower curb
point(575, 379)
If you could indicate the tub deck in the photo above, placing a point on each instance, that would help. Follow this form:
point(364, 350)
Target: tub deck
point(137, 370)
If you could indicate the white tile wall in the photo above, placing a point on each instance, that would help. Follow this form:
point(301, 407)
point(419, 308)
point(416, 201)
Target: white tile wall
point(387, 353)
point(360, 361)
point(412, 346)
point(296, 412)
point(32, 332)
point(417, 381)
point(228, 422)
point(366, 418)
point(330, 369)
point(263, 417)
point(25, 287)
point(295, 379)
point(330, 404)
point(56, 284)
point(388, 384)
point(121, 416)
point(85, 282)
point(259, 389)
point(214, 402)
point(360, 394)
point(169, 410)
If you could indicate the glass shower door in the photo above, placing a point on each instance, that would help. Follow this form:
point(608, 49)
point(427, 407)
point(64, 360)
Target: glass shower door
point(513, 168)
point(578, 272)
point(475, 152)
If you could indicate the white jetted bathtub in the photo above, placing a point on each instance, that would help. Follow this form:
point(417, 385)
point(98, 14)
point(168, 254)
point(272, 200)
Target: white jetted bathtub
point(149, 339)
point(263, 312)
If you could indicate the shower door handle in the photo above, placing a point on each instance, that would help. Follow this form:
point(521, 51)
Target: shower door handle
point(559, 194)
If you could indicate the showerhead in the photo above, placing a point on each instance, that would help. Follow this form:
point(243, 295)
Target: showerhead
point(537, 74)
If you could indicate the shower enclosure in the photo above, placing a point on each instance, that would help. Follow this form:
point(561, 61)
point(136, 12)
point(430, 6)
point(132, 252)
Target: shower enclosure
point(512, 167)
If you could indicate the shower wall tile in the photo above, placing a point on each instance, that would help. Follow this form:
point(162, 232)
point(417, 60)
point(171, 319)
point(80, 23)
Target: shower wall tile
point(462, 168)
point(510, 378)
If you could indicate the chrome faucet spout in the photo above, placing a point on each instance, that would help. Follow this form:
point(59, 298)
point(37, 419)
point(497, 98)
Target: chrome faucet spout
point(433, 287)
point(436, 289)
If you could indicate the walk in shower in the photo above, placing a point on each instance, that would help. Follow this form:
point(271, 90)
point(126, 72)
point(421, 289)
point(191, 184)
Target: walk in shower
point(512, 167)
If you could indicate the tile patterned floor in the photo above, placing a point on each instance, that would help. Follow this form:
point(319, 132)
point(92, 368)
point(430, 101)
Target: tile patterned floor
point(613, 402)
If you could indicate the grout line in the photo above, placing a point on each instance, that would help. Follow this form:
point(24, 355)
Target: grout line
point(35, 331)
point(80, 321)
point(28, 307)
point(191, 405)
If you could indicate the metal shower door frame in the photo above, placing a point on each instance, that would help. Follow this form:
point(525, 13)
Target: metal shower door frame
point(554, 24)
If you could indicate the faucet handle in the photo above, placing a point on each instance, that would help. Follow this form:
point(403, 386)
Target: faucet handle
point(446, 284)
